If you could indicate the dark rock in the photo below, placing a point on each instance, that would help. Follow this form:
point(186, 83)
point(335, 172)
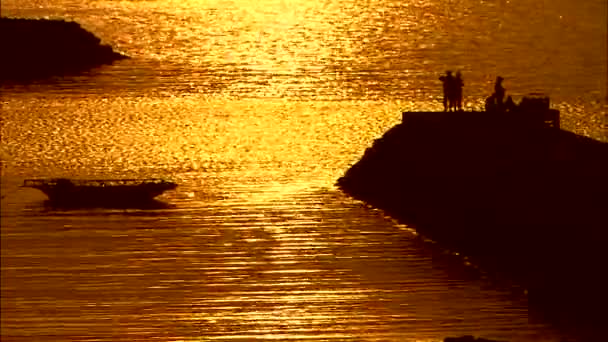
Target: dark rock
point(518, 198)
point(40, 48)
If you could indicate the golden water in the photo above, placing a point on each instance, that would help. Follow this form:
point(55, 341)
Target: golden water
point(256, 108)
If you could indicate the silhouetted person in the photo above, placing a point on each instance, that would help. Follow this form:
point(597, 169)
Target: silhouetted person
point(499, 92)
point(448, 90)
point(458, 84)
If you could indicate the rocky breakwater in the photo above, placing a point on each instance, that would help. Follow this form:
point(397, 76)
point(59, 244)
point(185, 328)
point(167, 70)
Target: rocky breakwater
point(40, 48)
point(520, 199)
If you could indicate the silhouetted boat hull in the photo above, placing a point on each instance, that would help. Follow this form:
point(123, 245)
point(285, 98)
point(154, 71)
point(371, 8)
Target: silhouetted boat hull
point(125, 192)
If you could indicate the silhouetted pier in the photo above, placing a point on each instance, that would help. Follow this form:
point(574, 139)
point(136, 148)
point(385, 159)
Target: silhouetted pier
point(509, 189)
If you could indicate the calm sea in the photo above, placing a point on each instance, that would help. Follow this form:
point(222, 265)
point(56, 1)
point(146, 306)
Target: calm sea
point(256, 108)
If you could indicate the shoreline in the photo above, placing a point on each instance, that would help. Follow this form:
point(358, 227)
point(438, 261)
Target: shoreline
point(43, 48)
point(523, 201)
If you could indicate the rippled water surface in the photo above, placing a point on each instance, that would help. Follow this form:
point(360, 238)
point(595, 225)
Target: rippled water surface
point(256, 108)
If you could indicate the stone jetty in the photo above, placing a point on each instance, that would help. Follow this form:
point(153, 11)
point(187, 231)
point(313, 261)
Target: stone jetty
point(520, 197)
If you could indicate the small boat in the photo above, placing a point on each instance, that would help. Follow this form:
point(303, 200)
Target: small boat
point(87, 192)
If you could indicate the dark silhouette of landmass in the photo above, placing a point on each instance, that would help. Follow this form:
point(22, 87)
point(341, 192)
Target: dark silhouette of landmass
point(520, 197)
point(39, 48)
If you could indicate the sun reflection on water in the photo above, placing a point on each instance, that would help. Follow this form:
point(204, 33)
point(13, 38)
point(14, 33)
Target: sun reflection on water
point(256, 108)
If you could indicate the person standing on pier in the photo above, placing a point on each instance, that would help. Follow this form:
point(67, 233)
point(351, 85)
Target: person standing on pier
point(458, 84)
point(448, 90)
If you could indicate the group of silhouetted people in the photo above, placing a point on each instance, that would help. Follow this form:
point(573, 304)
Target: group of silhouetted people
point(452, 91)
point(452, 94)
